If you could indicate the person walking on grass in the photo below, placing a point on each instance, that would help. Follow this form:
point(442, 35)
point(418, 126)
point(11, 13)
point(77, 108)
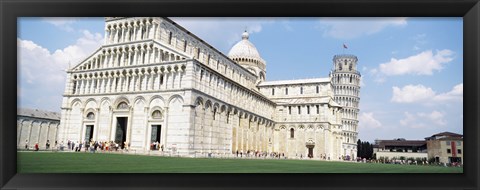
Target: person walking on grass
point(47, 145)
point(26, 144)
point(36, 146)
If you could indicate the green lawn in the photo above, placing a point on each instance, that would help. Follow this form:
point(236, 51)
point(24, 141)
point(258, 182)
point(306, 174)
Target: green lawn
point(51, 162)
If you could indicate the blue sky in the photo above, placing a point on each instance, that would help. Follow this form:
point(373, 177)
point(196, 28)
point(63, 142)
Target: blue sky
point(412, 68)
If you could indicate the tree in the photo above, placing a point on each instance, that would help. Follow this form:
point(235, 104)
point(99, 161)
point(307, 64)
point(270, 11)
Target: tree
point(364, 149)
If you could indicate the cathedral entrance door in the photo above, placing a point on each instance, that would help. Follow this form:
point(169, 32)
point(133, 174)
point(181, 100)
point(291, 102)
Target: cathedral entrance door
point(310, 150)
point(156, 131)
point(88, 133)
point(121, 131)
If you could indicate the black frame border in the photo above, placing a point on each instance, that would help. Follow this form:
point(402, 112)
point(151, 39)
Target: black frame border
point(11, 9)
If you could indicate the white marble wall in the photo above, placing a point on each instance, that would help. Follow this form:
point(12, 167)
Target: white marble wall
point(33, 130)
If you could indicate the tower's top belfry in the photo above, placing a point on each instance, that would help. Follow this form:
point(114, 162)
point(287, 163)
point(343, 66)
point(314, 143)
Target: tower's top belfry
point(345, 63)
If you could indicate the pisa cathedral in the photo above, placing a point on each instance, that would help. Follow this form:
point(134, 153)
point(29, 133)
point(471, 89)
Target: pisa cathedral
point(154, 81)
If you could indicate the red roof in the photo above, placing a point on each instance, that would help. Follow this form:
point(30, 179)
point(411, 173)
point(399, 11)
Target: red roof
point(449, 134)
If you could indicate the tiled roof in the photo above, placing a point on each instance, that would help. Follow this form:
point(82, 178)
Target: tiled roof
point(27, 112)
point(449, 134)
point(383, 143)
point(299, 81)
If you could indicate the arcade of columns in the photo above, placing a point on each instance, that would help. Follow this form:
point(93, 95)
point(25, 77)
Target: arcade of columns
point(227, 129)
point(33, 130)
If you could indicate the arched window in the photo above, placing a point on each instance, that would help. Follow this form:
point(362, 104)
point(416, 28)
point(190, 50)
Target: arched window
point(286, 91)
point(122, 106)
point(292, 133)
point(301, 90)
point(157, 114)
point(91, 116)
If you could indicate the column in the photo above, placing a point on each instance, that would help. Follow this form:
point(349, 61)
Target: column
point(108, 86)
point(165, 80)
point(129, 31)
point(130, 61)
point(156, 80)
point(122, 59)
point(135, 32)
point(126, 82)
point(131, 83)
point(107, 31)
point(150, 55)
point(151, 78)
point(160, 56)
point(150, 27)
point(120, 83)
point(145, 81)
point(124, 33)
point(98, 85)
point(135, 57)
point(143, 57)
point(90, 85)
point(114, 83)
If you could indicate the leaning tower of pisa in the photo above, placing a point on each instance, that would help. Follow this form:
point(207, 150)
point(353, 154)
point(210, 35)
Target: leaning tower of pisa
point(346, 85)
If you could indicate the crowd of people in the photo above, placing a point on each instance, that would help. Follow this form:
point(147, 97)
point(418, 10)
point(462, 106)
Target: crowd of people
point(94, 146)
point(156, 146)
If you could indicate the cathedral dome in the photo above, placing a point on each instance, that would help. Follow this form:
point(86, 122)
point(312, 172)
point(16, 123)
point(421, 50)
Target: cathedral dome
point(244, 49)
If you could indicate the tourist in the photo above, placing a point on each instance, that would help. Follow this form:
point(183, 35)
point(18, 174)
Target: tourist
point(36, 146)
point(61, 146)
point(75, 146)
point(26, 144)
point(47, 145)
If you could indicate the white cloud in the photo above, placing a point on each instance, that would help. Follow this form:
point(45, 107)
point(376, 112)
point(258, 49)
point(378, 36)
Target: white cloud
point(425, 95)
point(349, 28)
point(412, 93)
point(367, 120)
point(418, 120)
point(435, 117)
point(423, 63)
point(412, 121)
point(455, 94)
point(222, 32)
point(42, 73)
point(63, 23)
